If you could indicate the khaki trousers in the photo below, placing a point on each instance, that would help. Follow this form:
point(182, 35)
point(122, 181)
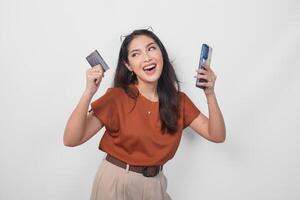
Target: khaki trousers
point(115, 183)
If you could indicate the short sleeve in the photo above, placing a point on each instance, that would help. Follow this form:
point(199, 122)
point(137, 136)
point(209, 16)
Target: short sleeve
point(106, 110)
point(190, 111)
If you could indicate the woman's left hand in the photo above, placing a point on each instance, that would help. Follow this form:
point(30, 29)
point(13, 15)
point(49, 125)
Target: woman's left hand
point(208, 75)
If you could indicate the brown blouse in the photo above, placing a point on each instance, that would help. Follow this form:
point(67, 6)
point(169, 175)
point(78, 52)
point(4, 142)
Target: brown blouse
point(133, 132)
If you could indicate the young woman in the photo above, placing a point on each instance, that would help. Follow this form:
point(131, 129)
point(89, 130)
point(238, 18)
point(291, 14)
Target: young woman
point(144, 114)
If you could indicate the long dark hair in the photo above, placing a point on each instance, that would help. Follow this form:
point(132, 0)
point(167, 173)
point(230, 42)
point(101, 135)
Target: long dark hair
point(167, 87)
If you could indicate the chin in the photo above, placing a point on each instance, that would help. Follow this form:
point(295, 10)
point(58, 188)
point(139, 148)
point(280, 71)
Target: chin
point(150, 79)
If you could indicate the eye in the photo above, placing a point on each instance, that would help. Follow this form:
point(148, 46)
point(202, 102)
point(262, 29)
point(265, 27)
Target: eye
point(134, 54)
point(152, 47)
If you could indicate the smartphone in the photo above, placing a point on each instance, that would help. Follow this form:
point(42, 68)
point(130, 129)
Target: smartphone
point(205, 58)
point(95, 58)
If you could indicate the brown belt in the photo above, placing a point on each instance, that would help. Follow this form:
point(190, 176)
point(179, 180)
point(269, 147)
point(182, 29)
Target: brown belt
point(147, 171)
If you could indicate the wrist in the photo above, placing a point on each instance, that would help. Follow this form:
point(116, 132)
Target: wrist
point(211, 98)
point(88, 94)
point(211, 95)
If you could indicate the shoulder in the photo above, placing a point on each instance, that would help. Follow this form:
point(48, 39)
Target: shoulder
point(181, 93)
point(118, 95)
point(185, 100)
point(111, 95)
point(114, 91)
point(182, 96)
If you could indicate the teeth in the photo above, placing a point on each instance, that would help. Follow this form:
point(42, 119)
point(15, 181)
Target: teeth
point(148, 67)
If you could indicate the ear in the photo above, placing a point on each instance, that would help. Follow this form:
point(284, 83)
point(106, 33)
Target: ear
point(128, 66)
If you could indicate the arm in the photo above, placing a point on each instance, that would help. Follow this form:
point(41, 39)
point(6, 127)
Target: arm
point(82, 126)
point(212, 128)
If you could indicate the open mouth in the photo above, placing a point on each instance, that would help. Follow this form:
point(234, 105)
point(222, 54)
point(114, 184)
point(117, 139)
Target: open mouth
point(149, 68)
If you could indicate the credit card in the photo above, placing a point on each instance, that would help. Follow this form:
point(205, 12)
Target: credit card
point(95, 58)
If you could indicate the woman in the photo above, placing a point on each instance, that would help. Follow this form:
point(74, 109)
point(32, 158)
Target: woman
point(144, 114)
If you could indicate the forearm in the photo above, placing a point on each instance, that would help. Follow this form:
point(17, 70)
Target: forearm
point(216, 125)
point(75, 126)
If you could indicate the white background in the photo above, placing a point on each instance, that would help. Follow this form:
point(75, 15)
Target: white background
point(43, 45)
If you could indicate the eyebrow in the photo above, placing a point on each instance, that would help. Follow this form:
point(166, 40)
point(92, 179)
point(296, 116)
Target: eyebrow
point(146, 47)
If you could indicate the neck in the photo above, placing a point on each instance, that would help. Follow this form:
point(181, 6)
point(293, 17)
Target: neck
point(148, 89)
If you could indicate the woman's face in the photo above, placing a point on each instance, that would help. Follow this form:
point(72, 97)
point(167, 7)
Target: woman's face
point(145, 59)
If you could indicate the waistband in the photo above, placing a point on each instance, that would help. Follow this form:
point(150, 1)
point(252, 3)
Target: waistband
point(147, 171)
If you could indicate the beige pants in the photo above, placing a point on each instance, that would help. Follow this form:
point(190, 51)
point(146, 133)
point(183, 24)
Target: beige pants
point(115, 183)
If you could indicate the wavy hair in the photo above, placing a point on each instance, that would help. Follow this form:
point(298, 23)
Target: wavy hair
point(167, 87)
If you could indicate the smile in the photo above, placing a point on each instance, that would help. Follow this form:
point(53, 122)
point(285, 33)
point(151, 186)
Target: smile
point(150, 69)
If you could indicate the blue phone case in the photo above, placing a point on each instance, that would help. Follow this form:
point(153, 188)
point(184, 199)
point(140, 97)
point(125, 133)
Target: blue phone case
point(205, 58)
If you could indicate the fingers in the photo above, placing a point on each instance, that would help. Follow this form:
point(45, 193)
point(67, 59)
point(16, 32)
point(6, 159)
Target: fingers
point(202, 71)
point(206, 77)
point(94, 76)
point(205, 69)
point(206, 84)
point(97, 70)
point(98, 81)
point(206, 74)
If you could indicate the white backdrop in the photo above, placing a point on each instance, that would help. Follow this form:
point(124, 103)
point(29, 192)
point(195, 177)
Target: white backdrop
point(256, 45)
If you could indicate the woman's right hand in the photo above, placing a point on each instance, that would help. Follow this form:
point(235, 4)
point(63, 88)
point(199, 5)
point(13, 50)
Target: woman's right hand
point(94, 77)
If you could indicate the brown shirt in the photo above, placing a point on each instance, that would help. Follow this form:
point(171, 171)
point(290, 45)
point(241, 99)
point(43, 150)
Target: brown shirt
point(133, 129)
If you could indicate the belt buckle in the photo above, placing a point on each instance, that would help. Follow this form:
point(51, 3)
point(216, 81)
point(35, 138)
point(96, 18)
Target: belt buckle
point(146, 174)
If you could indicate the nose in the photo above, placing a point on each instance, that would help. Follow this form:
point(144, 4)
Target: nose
point(147, 58)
